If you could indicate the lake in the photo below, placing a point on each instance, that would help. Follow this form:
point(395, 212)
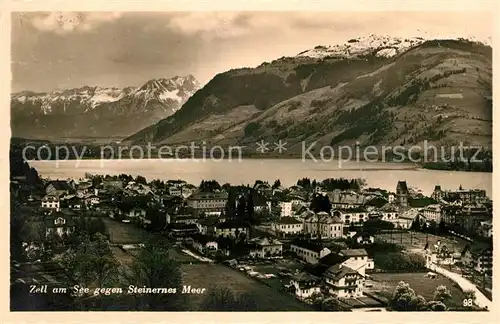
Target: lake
point(377, 174)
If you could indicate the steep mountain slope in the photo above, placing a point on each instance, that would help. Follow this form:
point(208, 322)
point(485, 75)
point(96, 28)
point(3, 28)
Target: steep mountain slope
point(97, 111)
point(439, 91)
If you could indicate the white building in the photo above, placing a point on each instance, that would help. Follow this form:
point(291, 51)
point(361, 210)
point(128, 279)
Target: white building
point(286, 208)
point(357, 259)
point(305, 285)
point(266, 248)
point(288, 226)
point(344, 282)
point(309, 251)
point(432, 212)
point(323, 225)
point(52, 202)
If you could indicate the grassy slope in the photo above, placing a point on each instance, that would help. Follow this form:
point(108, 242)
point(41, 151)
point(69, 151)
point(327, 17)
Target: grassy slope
point(429, 93)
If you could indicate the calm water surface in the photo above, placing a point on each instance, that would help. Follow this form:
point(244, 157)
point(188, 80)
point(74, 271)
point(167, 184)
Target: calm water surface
point(377, 174)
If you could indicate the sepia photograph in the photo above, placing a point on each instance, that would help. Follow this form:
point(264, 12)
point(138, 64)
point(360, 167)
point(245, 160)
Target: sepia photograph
point(244, 161)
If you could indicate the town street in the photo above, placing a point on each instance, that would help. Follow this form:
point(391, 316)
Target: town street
point(465, 284)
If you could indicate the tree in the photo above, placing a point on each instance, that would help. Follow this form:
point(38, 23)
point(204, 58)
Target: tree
point(91, 262)
point(442, 294)
point(442, 227)
point(436, 306)
point(405, 299)
point(321, 303)
point(276, 184)
point(152, 268)
point(415, 225)
point(140, 179)
point(320, 203)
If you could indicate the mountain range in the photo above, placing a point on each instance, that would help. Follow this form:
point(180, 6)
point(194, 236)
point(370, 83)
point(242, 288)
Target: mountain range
point(88, 112)
point(369, 91)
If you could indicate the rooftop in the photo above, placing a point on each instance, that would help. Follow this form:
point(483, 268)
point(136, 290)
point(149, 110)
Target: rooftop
point(309, 245)
point(354, 252)
point(288, 220)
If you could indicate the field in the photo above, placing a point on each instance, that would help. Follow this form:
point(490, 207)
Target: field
point(121, 233)
point(417, 240)
point(212, 276)
point(203, 275)
point(385, 284)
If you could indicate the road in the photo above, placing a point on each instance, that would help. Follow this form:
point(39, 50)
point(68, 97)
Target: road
point(481, 300)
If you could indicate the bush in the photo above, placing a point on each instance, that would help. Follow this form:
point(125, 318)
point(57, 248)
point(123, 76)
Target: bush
point(399, 261)
point(251, 128)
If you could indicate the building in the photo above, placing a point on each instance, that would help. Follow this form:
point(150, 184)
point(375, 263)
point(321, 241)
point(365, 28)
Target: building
point(364, 239)
point(112, 185)
point(323, 225)
point(58, 224)
point(480, 260)
point(175, 183)
point(92, 200)
point(74, 203)
point(486, 229)
point(186, 191)
point(355, 216)
point(208, 202)
point(129, 214)
point(266, 248)
point(182, 231)
point(346, 199)
point(204, 244)
point(51, 202)
point(309, 251)
point(357, 259)
point(437, 194)
point(231, 229)
point(175, 191)
point(288, 226)
point(58, 188)
point(466, 196)
point(206, 226)
point(471, 216)
point(286, 208)
point(305, 285)
point(432, 213)
point(402, 194)
point(344, 282)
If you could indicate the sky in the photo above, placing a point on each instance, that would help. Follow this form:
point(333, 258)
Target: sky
point(61, 50)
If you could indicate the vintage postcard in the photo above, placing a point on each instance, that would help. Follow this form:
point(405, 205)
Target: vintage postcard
point(243, 161)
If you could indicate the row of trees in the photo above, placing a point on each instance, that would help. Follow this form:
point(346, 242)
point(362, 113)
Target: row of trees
point(405, 299)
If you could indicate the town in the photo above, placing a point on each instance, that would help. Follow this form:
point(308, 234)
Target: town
point(332, 244)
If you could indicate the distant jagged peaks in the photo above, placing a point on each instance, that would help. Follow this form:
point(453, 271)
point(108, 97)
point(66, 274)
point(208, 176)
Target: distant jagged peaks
point(174, 91)
point(380, 46)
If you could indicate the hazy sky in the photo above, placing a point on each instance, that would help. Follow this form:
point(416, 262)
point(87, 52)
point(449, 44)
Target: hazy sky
point(64, 50)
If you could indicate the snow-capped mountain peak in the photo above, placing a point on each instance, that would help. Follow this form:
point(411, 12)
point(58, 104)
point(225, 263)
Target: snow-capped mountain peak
point(171, 93)
point(381, 46)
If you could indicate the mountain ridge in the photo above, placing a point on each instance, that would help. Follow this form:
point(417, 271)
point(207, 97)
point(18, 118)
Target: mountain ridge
point(368, 98)
point(90, 105)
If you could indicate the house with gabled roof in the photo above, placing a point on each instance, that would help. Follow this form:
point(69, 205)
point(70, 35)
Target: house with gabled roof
point(57, 223)
point(305, 284)
point(266, 248)
point(58, 188)
point(343, 281)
